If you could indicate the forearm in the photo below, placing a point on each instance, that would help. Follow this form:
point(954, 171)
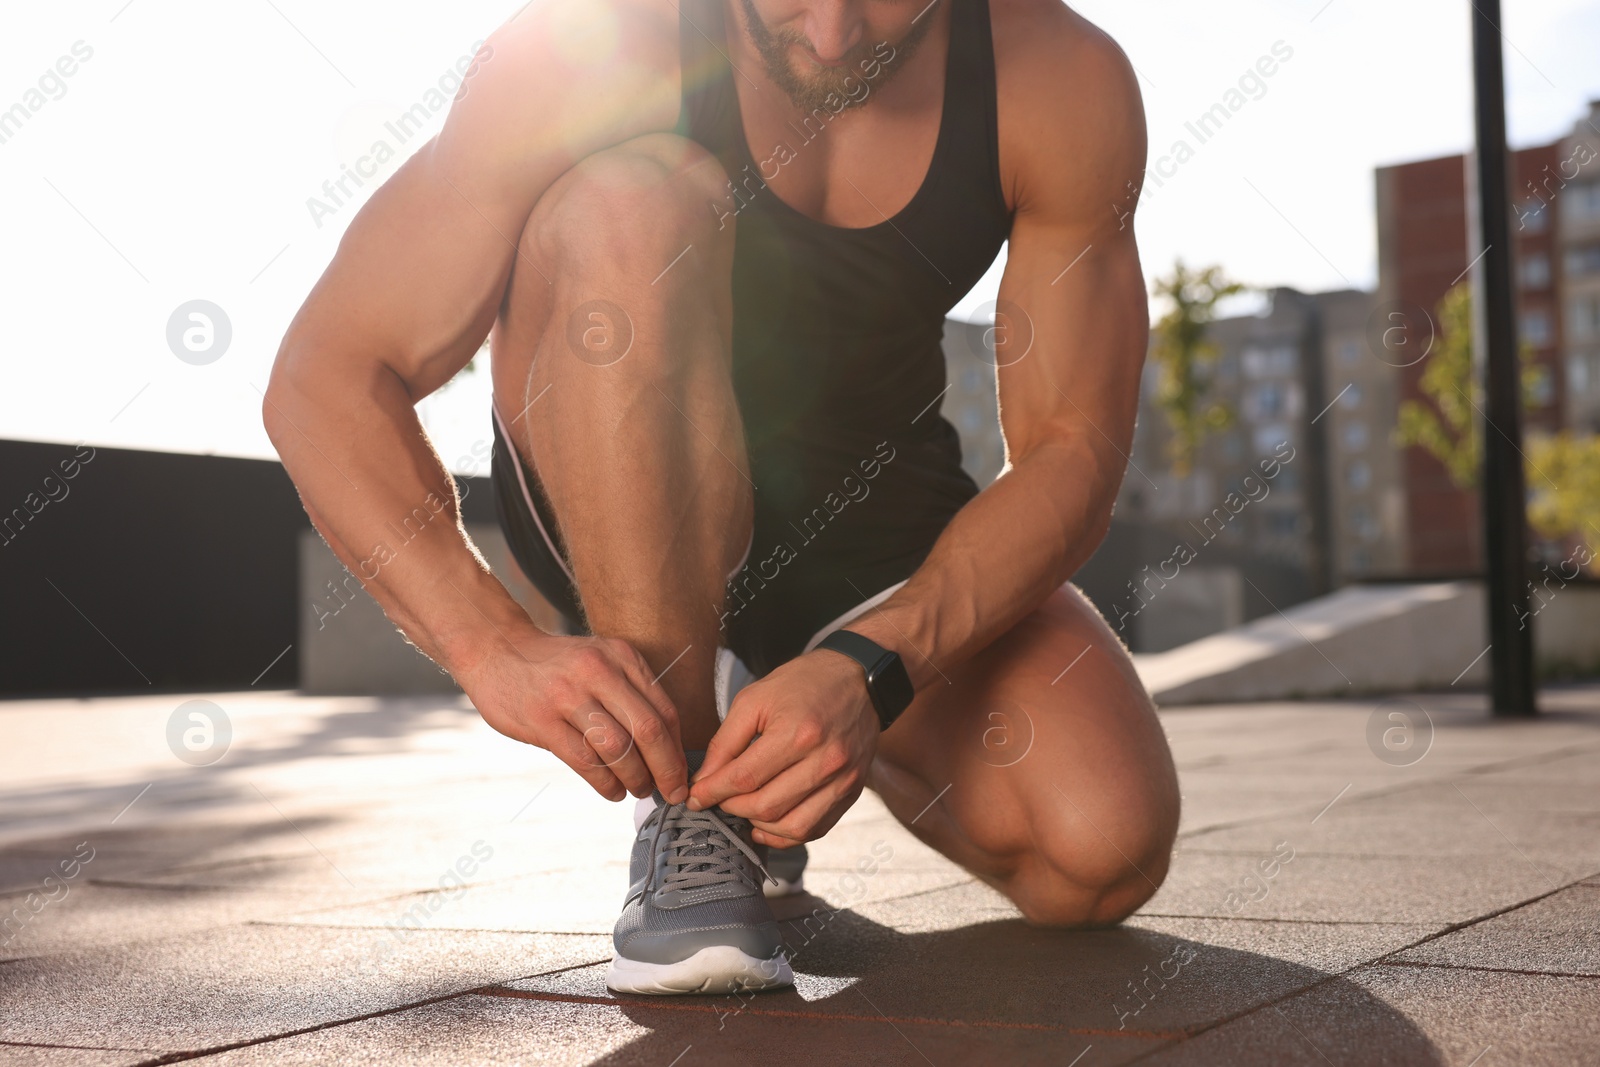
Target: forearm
point(376, 490)
point(1000, 557)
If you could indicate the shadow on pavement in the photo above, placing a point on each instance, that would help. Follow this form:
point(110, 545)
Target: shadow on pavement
point(1005, 992)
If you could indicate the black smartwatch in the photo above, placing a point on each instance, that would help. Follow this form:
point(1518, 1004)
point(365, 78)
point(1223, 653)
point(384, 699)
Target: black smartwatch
point(888, 685)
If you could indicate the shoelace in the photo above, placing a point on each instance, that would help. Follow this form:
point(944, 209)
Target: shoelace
point(705, 852)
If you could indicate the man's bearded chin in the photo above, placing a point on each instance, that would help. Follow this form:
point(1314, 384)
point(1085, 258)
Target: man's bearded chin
point(827, 87)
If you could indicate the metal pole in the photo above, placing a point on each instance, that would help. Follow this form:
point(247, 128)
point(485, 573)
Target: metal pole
point(1504, 510)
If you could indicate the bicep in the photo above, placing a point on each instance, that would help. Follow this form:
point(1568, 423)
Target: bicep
point(1077, 324)
point(1073, 285)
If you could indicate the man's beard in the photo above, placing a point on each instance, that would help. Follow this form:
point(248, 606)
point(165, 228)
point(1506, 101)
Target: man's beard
point(831, 87)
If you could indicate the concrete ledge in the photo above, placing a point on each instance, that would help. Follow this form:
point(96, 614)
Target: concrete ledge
point(348, 645)
point(1369, 639)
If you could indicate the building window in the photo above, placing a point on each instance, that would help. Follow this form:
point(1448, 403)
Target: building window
point(1532, 216)
point(1355, 436)
point(972, 379)
point(1363, 525)
point(1349, 351)
point(1578, 374)
point(1583, 202)
point(1584, 260)
point(1268, 438)
point(1535, 327)
point(1350, 399)
point(1283, 523)
point(1583, 318)
point(1280, 361)
point(1268, 401)
point(1534, 271)
point(1358, 476)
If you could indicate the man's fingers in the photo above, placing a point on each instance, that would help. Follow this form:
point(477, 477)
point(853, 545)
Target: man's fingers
point(614, 745)
point(811, 818)
point(570, 747)
point(654, 741)
point(787, 789)
point(760, 762)
point(732, 737)
point(637, 670)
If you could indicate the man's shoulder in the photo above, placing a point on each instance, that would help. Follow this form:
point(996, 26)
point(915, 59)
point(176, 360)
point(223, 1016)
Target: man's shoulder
point(1068, 96)
point(1049, 58)
point(619, 37)
point(572, 76)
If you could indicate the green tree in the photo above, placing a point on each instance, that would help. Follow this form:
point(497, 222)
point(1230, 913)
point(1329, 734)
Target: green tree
point(1447, 427)
point(1564, 474)
point(1187, 360)
point(1562, 470)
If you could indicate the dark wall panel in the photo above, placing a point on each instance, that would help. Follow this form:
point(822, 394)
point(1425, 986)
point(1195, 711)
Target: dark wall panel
point(148, 571)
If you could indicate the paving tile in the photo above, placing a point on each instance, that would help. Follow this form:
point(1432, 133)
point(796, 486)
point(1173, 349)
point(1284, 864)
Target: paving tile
point(1245, 793)
point(853, 840)
point(1578, 767)
point(1422, 824)
point(247, 982)
point(384, 849)
point(666, 1031)
point(1409, 1016)
point(1330, 948)
point(586, 900)
point(1339, 888)
point(1559, 934)
point(48, 1056)
point(96, 916)
point(1331, 738)
point(118, 852)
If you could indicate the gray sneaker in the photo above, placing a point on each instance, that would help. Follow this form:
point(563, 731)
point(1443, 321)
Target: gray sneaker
point(695, 920)
point(788, 869)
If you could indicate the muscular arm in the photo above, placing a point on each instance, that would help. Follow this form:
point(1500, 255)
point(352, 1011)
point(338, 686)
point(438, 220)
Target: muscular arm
point(1071, 337)
point(793, 752)
point(409, 297)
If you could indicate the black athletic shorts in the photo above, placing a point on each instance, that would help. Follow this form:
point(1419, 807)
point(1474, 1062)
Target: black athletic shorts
point(840, 524)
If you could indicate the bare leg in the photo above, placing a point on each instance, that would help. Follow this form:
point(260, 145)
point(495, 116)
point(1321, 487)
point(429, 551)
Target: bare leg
point(612, 370)
point(1056, 788)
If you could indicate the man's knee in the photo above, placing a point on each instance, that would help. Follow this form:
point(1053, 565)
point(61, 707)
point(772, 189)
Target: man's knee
point(633, 208)
point(1073, 879)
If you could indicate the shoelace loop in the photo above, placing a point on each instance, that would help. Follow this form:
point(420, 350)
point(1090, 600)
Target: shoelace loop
point(704, 851)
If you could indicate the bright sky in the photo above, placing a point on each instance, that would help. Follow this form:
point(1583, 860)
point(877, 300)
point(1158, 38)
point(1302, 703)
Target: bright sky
point(175, 162)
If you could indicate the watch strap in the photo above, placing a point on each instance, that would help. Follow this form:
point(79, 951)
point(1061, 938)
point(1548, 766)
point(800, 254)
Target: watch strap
point(888, 684)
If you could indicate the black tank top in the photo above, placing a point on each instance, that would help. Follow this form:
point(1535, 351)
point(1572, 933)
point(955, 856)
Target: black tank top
point(838, 365)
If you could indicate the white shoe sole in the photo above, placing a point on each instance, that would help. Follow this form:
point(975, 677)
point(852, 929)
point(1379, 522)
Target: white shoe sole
point(716, 969)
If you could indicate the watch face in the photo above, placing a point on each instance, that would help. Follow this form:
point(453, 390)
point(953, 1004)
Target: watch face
point(883, 663)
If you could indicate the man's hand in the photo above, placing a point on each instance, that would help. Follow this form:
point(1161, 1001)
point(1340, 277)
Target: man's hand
point(591, 701)
point(818, 734)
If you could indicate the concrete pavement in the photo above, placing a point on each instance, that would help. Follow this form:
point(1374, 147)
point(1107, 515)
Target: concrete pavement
point(308, 879)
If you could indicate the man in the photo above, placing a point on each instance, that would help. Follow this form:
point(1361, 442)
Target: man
point(712, 243)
